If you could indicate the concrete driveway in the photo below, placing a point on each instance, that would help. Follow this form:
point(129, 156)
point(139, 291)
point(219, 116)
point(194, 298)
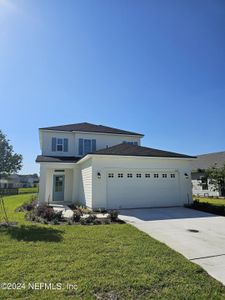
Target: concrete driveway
point(199, 236)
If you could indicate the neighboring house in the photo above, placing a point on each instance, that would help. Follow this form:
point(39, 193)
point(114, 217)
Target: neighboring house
point(104, 167)
point(29, 181)
point(19, 181)
point(200, 183)
point(3, 183)
point(12, 181)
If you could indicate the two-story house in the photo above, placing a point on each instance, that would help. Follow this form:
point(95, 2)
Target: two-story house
point(104, 167)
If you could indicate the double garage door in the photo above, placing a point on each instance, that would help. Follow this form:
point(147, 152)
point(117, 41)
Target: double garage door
point(138, 189)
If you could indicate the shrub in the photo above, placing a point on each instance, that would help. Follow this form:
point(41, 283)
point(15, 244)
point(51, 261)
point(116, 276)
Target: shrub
point(100, 210)
point(83, 221)
point(44, 216)
point(76, 215)
point(208, 207)
point(106, 221)
point(30, 216)
point(113, 214)
point(88, 220)
point(97, 222)
point(46, 212)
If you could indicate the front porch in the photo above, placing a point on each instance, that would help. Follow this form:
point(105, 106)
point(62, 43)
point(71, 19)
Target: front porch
point(59, 183)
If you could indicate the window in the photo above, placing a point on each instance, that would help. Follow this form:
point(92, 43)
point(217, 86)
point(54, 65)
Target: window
point(156, 175)
point(172, 175)
point(130, 143)
point(129, 175)
point(59, 171)
point(59, 145)
point(110, 175)
point(147, 175)
point(120, 175)
point(86, 146)
point(204, 183)
point(58, 183)
point(138, 175)
point(164, 175)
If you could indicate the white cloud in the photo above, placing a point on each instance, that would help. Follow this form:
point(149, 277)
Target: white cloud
point(8, 5)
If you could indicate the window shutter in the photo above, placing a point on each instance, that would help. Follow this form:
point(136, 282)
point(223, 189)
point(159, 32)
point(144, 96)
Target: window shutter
point(65, 145)
point(53, 144)
point(81, 146)
point(93, 145)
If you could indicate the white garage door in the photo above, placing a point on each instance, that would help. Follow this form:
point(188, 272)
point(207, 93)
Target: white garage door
point(134, 189)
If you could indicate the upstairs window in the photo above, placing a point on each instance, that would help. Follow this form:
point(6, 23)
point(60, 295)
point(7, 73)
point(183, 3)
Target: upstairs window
point(86, 146)
point(147, 175)
point(129, 175)
point(120, 175)
point(130, 143)
point(138, 175)
point(164, 175)
point(172, 175)
point(156, 175)
point(59, 145)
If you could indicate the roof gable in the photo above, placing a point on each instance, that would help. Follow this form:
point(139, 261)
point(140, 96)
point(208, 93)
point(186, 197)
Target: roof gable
point(88, 127)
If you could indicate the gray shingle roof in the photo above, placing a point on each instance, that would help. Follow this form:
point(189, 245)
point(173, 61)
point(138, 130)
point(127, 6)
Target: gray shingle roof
point(88, 127)
point(63, 159)
point(205, 161)
point(135, 150)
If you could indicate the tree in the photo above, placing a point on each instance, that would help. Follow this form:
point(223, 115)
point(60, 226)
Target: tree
point(217, 177)
point(10, 162)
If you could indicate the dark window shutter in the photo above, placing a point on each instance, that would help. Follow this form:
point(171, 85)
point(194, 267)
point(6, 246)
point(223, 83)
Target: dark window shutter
point(81, 146)
point(93, 145)
point(65, 145)
point(53, 144)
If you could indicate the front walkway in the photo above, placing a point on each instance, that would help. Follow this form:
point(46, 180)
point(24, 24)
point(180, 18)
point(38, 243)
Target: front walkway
point(199, 236)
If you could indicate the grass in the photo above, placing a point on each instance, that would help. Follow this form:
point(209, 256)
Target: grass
point(105, 262)
point(213, 201)
point(28, 190)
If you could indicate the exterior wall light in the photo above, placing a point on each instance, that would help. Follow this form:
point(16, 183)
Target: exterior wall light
point(99, 175)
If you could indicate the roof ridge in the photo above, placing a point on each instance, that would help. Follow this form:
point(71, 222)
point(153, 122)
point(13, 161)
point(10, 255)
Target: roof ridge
point(211, 153)
point(90, 127)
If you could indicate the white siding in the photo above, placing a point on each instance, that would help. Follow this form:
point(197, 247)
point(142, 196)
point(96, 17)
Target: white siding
point(47, 143)
point(102, 141)
point(85, 194)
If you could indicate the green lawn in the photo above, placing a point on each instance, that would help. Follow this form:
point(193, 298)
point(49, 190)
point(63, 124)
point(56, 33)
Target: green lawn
point(210, 200)
point(105, 262)
point(28, 190)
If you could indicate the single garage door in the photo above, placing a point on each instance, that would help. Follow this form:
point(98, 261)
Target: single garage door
point(136, 189)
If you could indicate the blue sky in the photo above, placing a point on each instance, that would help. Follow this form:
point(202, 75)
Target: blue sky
point(156, 67)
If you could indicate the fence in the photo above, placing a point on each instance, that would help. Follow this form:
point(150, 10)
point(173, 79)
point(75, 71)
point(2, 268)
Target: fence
point(6, 192)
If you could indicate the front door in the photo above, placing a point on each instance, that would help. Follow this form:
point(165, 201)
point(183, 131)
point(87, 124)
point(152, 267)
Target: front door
point(58, 187)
